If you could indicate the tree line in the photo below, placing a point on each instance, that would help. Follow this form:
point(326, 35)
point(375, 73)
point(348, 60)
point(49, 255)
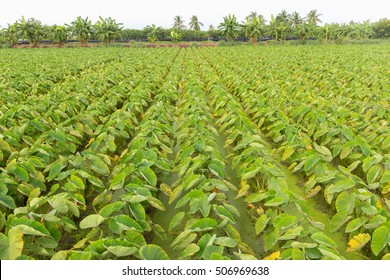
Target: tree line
point(283, 26)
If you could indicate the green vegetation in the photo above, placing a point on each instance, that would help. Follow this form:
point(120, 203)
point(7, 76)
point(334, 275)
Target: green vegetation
point(280, 28)
point(221, 153)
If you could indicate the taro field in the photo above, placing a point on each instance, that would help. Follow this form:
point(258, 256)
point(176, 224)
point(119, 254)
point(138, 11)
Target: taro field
point(245, 152)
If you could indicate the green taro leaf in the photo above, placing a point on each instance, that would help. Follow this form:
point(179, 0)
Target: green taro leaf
point(225, 242)
point(29, 227)
point(324, 240)
point(160, 232)
point(341, 186)
point(329, 253)
point(373, 173)
point(380, 238)
point(204, 224)
point(217, 170)
point(7, 201)
point(271, 239)
point(76, 181)
point(338, 220)
point(250, 174)
point(100, 167)
point(138, 211)
point(135, 238)
point(310, 162)
point(58, 202)
point(375, 222)
point(149, 176)
point(189, 251)
point(107, 210)
point(55, 170)
point(345, 202)
point(21, 174)
point(118, 181)
point(91, 221)
point(127, 223)
point(176, 221)
point(122, 251)
point(153, 252)
point(80, 256)
point(275, 201)
point(353, 225)
point(284, 221)
point(261, 223)
point(224, 213)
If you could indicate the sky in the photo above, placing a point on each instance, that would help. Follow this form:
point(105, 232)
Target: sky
point(138, 14)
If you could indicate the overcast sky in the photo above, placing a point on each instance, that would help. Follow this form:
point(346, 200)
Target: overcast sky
point(138, 14)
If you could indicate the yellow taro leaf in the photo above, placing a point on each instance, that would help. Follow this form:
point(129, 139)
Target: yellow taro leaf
point(166, 189)
point(358, 241)
point(273, 256)
point(386, 188)
point(243, 190)
point(90, 142)
point(287, 153)
point(313, 192)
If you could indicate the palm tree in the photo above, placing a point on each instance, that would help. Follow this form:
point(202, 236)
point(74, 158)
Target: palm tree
point(282, 17)
point(178, 23)
point(82, 29)
point(195, 24)
point(30, 30)
point(295, 19)
point(58, 34)
point(313, 18)
point(108, 30)
point(229, 27)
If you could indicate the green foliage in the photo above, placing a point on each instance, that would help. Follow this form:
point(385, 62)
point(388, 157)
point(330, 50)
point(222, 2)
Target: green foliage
point(229, 27)
point(82, 29)
point(107, 30)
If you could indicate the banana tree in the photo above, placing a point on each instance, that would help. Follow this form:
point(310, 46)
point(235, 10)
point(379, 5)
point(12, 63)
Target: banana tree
point(11, 33)
point(253, 28)
point(153, 32)
point(273, 28)
point(175, 36)
point(82, 29)
point(229, 27)
point(58, 34)
point(30, 30)
point(108, 30)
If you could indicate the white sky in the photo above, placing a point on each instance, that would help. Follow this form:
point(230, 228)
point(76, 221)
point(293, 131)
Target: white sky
point(138, 14)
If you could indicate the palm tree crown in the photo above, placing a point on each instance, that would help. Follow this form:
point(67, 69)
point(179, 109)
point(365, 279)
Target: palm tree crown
point(178, 23)
point(313, 18)
point(195, 24)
